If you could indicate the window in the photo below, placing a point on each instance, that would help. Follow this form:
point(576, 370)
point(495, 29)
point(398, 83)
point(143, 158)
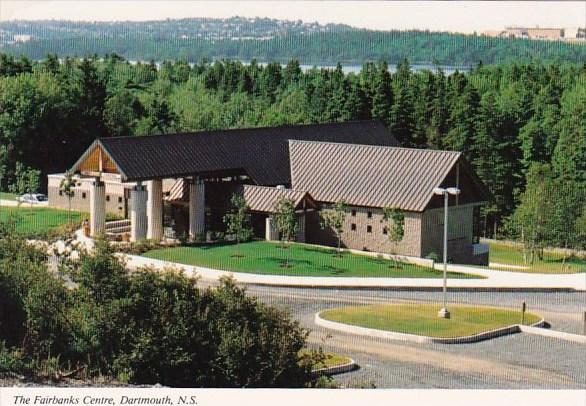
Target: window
point(120, 199)
point(73, 193)
point(83, 195)
point(60, 193)
point(369, 214)
point(369, 229)
point(107, 198)
point(353, 227)
point(385, 232)
point(353, 213)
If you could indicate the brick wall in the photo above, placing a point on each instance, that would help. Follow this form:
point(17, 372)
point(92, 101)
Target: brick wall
point(365, 232)
point(460, 232)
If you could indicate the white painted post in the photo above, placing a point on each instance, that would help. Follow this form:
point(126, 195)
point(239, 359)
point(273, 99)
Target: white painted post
point(196, 208)
point(138, 213)
point(271, 232)
point(155, 209)
point(97, 208)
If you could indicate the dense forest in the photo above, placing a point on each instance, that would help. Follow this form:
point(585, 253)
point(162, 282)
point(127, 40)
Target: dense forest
point(271, 40)
point(521, 125)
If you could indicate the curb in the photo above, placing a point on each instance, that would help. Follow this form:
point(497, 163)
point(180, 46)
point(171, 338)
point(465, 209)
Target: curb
point(576, 338)
point(414, 288)
point(337, 369)
point(391, 335)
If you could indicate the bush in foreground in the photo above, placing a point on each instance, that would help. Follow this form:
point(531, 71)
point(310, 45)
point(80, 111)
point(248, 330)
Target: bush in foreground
point(141, 328)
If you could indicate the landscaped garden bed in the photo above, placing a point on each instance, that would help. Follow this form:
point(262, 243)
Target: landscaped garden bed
point(423, 320)
point(261, 257)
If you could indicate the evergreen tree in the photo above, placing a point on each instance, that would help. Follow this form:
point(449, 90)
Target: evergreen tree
point(382, 94)
point(569, 157)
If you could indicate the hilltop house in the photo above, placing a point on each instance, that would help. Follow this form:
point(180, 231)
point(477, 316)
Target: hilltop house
point(181, 184)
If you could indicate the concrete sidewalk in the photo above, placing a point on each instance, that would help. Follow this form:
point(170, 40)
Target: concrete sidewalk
point(495, 280)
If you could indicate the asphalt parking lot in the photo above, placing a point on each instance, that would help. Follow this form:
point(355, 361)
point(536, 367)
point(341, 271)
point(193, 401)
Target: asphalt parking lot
point(518, 361)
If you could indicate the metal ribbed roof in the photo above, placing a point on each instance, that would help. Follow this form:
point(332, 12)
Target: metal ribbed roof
point(366, 175)
point(261, 152)
point(264, 198)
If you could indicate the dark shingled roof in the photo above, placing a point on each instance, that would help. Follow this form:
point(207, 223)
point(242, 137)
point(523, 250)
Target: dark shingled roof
point(261, 152)
point(372, 176)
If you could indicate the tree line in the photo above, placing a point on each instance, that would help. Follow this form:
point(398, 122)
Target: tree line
point(507, 119)
point(143, 41)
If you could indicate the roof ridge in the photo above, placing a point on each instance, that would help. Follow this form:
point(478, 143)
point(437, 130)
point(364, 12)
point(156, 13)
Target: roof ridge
point(347, 145)
point(275, 187)
point(200, 132)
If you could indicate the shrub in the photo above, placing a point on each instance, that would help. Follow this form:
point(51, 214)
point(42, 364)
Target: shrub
point(146, 327)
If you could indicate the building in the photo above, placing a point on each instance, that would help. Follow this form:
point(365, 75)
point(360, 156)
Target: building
point(181, 185)
point(570, 34)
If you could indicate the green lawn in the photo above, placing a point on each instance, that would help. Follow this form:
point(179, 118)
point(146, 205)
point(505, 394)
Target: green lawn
point(267, 258)
point(331, 359)
point(7, 196)
point(551, 263)
point(422, 319)
point(39, 221)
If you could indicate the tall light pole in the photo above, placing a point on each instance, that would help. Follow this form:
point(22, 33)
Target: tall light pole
point(444, 313)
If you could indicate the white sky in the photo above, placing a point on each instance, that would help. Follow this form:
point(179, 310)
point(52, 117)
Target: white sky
point(462, 16)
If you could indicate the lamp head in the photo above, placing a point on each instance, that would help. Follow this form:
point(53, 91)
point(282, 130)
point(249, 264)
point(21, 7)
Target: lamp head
point(453, 191)
point(439, 191)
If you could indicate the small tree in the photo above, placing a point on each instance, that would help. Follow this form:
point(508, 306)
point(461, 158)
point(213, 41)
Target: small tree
point(3, 166)
point(66, 187)
point(33, 181)
point(534, 211)
point(335, 219)
point(394, 220)
point(286, 222)
point(20, 185)
point(237, 221)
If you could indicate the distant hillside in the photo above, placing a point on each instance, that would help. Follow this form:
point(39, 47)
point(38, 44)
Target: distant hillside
point(267, 40)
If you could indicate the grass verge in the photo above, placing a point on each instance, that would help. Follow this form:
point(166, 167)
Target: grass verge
point(7, 196)
point(552, 263)
point(330, 359)
point(39, 222)
point(422, 319)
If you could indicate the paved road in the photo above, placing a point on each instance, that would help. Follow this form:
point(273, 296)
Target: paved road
point(516, 361)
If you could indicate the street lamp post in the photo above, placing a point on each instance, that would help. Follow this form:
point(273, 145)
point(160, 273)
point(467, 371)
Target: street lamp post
point(444, 313)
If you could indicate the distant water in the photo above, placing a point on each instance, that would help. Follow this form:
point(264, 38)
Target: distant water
point(447, 69)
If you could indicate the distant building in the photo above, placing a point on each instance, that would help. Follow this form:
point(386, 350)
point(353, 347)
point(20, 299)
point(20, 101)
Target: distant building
point(22, 38)
point(538, 33)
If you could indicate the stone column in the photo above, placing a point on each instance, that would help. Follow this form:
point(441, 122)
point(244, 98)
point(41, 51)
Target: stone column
point(301, 227)
point(196, 208)
point(155, 209)
point(138, 213)
point(97, 208)
point(271, 232)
